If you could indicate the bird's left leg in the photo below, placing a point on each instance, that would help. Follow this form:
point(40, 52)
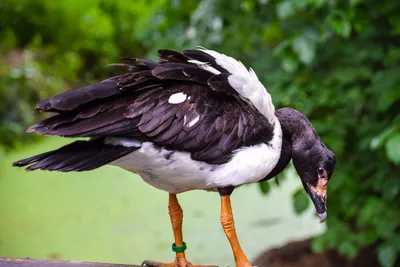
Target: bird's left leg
point(229, 227)
point(176, 216)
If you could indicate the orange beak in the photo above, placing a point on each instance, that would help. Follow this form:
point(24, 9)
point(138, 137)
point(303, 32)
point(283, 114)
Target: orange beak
point(318, 196)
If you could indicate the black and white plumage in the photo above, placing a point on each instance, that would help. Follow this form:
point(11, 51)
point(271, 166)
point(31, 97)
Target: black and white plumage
point(193, 120)
point(196, 120)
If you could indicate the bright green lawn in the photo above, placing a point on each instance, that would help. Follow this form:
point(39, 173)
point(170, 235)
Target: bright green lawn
point(110, 215)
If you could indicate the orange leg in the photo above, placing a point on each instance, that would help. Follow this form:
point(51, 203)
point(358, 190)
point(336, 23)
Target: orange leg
point(176, 216)
point(229, 227)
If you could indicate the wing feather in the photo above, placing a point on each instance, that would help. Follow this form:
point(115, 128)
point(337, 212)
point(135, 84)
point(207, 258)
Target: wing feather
point(210, 123)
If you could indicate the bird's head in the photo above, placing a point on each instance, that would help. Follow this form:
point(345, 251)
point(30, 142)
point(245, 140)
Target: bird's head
point(314, 163)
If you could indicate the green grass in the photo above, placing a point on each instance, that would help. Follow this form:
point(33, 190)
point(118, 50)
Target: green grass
point(110, 215)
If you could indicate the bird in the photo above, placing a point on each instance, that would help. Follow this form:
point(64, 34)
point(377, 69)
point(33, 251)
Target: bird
point(192, 120)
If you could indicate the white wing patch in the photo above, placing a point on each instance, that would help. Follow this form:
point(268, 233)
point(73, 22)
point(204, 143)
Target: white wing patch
point(192, 122)
point(244, 81)
point(177, 98)
point(204, 66)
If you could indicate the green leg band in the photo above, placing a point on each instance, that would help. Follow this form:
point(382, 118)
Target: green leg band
point(179, 249)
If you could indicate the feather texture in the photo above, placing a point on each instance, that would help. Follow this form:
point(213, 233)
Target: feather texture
point(77, 156)
point(74, 98)
point(244, 82)
point(209, 118)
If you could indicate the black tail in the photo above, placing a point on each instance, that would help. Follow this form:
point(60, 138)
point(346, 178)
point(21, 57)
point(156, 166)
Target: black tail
point(77, 156)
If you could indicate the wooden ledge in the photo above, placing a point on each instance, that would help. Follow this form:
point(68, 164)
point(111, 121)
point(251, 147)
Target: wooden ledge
point(27, 262)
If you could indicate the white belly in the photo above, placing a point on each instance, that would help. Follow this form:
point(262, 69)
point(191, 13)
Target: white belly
point(176, 172)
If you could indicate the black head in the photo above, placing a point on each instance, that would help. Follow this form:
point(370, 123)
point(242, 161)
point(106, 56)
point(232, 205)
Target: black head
point(314, 163)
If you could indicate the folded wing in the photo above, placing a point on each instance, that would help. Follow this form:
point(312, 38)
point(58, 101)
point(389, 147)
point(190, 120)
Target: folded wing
point(192, 101)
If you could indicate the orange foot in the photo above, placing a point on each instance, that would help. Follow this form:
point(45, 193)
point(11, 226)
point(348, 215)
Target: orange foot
point(176, 263)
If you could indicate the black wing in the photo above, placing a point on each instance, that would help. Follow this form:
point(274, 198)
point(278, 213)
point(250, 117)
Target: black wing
point(209, 121)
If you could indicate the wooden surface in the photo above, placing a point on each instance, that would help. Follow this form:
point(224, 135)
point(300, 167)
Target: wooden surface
point(15, 262)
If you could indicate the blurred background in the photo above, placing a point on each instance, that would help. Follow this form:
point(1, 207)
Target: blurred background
point(336, 61)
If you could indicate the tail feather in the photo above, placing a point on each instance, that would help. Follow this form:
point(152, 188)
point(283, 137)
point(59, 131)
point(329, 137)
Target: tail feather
point(77, 156)
point(30, 160)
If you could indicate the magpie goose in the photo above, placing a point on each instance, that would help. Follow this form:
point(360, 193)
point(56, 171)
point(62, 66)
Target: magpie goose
point(193, 120)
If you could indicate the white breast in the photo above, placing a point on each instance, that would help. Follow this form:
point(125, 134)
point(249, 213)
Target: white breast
point(176, 172)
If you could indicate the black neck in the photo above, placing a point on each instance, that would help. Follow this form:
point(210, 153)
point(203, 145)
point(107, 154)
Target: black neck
point(297, 132)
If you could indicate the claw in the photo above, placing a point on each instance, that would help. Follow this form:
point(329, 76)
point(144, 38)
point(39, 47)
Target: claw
point(150, 263)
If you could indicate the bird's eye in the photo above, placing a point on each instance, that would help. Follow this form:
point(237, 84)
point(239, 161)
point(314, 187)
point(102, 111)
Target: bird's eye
point(320, 171)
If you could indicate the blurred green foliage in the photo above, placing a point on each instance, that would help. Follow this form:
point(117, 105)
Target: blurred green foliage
point(47, 46)
point(337, 61)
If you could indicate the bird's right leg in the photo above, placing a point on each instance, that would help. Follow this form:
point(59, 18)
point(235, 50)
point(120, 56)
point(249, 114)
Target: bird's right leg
point(176, 216)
